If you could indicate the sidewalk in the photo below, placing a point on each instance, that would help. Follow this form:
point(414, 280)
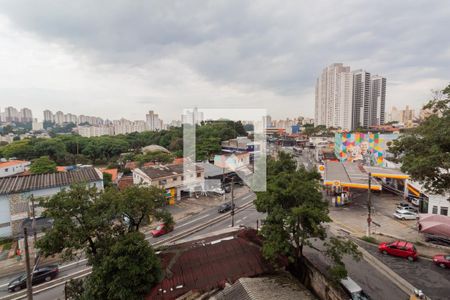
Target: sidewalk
point(181, 210)
point(353, 219)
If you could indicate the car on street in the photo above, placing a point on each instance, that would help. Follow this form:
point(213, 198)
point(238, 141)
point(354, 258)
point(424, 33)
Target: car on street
point(353, 290)
point(225, 207)
point(218, 191)
point(399, 248)
point(402, 204)
point(161, 229)
point(41, 274)
point(442, 260)
point(409, 208)
point(406, 206)
point(404, 214)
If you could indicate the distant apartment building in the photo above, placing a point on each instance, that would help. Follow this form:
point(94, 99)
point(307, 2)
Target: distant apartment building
point(378, 101)
point(11, 114)
point(36, 125)
point(154, 123)
point(334, 97)
point(116, 127)
point(403, 116)
point(61, 118)
point(349, 99)
point(361, 99)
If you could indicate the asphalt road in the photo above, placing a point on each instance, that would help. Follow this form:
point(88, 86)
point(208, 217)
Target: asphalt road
point(184, 225)
point(369, 278)
point(423, 274)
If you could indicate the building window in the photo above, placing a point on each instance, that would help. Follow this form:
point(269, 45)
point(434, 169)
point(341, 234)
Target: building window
point(182, 178)
point(162, 182)
point(435, 210)
point(199, 174)
point(444, 211)
point(6, 170)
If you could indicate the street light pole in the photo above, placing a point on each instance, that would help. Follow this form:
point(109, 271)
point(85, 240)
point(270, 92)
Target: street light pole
point(232, 202)
point(369, 205)
point(27, 265)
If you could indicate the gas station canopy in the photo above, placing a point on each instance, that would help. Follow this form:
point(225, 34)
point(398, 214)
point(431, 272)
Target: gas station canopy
point(380, 172)
point(348, 174)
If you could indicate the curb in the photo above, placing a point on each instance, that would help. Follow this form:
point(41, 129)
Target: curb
point(404, 285)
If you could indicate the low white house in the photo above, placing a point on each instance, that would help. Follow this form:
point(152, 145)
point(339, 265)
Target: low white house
point(16, 193)
point(13, 167)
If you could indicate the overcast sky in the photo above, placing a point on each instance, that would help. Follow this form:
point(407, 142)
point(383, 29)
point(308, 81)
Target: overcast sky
point(117, 59)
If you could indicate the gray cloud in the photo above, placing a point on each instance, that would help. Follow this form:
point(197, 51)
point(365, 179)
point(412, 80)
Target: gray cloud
point(279, 47)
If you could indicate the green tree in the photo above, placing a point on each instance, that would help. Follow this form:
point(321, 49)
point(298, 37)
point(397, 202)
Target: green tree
point(107, 180)
point(21, 149)
point(138, 204)
point(52, 148)
point(424, 152)
point(82, 221)
point(296, 213)
point(128, 270)
point(156, 157)
point(43, 165)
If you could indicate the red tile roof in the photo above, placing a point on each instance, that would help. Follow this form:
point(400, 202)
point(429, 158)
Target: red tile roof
point(13, 163)
point(210, 264)
point(124, 182)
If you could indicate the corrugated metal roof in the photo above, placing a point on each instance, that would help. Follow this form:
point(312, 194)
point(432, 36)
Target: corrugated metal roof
point(160, 171)
point(19, 184)
point(206, 266)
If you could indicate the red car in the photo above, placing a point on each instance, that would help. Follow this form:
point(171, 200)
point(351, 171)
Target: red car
point(161, 230)
point(399, 248)
point(442, 260)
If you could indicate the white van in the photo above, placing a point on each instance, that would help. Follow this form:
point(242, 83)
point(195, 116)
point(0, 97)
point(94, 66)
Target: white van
point(353, 289)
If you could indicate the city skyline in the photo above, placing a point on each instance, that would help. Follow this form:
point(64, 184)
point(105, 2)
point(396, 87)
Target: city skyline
point(349, 99)
point(270, 59)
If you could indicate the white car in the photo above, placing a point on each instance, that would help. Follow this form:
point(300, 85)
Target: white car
point(404, 214)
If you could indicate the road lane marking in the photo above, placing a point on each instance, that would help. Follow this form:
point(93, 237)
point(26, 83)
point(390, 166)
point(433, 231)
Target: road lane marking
point(192, 221)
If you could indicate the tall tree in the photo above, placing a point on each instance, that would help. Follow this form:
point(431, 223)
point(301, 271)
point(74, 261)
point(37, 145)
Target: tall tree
point(424, 152)
point(127, 271)
point(82, 220)
point(43, 165)
point(296, 213)
point(138, 204)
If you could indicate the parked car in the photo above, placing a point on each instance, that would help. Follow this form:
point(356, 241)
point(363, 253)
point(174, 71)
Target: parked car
point(225, 207)
point(400, 249)
point(41, 274)
point(402, 204)
point(161, 229)
point(354, 291)
point(409, 208)
point(219, 191)
point(442, 260)
point(404, 214)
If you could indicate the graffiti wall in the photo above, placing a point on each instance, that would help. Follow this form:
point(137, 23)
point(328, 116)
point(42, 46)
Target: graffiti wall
point(368, 148)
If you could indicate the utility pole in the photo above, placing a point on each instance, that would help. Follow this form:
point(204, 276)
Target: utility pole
point(33, 224)
point(369, 205)
point(27, 264)
point(232, 202)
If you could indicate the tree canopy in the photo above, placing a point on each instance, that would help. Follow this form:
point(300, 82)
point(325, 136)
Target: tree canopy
point(104, 225)
point(43, 165)
point(127, 271)
point(424, 151)
point(296, 213)
point(72, 149)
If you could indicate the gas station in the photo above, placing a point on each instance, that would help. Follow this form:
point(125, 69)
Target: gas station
point(343, 177)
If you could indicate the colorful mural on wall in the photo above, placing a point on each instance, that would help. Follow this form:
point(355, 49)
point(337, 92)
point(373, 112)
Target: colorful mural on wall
point(366, 147)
